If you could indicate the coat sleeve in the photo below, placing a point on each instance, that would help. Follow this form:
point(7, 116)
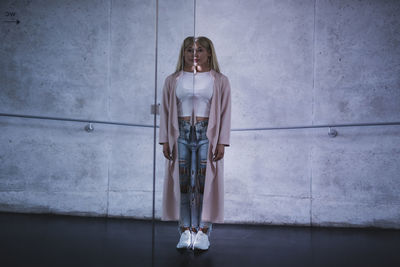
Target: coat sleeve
point(225, 125)
point(164, 112)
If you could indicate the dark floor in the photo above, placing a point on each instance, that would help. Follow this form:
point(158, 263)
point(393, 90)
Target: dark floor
point(48, 240)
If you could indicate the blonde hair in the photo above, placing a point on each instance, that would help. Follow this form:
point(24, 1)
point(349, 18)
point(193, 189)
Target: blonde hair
point(204, 42)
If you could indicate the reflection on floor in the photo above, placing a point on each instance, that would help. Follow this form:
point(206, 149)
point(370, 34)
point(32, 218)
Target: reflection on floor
point(48, 240)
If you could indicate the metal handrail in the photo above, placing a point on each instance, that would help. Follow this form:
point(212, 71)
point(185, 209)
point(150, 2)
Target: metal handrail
point(234, 130)
point(76, 120)
point(318, 126)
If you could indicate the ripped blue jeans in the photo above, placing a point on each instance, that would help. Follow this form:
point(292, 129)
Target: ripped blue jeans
point(192, 154)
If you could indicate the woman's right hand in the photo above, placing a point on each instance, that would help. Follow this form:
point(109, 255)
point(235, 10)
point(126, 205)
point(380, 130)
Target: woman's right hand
point(166, 151)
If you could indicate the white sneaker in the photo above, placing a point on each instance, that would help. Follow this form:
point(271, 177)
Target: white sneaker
point(185, 241)
point(201, 241)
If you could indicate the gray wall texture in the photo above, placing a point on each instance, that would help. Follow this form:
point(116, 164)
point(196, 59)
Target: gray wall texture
point(290, 63)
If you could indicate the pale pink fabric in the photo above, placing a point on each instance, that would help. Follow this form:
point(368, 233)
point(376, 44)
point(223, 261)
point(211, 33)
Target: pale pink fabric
point(218, 132)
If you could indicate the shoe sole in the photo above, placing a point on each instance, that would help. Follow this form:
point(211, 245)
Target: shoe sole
point(200, 249)
point(197, 248)
point(187, 247)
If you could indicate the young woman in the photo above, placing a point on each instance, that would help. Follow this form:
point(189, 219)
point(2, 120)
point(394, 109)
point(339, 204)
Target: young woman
point(195, 125)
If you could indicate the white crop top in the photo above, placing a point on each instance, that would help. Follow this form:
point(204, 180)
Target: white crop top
point(194, 96)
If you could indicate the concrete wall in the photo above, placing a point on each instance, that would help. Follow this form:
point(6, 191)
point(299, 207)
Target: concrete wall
point(78, 59)
point(289, 63)
point(308, 63)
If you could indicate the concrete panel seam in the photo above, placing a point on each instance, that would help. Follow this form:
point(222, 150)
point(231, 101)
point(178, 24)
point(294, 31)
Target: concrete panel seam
point(277, 223)
point(272, 195)
point(108, 185)
point(310, 158)
point(52, 191)
point(373, 202)
point(108, 96)
point(312, 110)
point(109, 60)
point(22, 190)
point(313, 66)
point(127, 190)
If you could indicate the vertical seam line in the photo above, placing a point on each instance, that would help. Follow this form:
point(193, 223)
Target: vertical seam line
point(108, 100)
point(153, 230)
point(312, 116)
point(155, 113)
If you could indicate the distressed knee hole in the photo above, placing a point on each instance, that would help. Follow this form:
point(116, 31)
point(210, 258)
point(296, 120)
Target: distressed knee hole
point(184, 170)
point(184, 188)
point(201, 189)
point(201, 172)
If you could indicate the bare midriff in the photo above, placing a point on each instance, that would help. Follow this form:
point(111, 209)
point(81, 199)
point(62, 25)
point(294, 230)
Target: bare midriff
point(188, 118)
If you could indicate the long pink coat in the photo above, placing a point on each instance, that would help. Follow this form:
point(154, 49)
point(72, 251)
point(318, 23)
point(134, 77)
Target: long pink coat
point(218, 132)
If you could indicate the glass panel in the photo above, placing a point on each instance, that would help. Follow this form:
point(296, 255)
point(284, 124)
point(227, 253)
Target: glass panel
point(294, 63)
point(176, 22)
point(89, 60)
point(132, 89)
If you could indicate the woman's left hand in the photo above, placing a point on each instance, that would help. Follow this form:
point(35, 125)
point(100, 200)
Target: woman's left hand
point(219, 152)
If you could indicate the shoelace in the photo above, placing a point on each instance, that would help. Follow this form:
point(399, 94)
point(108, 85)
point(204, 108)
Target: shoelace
point(193, 241)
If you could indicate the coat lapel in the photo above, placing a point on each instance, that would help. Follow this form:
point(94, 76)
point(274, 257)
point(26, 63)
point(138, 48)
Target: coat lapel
point(175, 113)
point(213, 118)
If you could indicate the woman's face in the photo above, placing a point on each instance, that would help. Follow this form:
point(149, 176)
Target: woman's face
point(196, 55)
